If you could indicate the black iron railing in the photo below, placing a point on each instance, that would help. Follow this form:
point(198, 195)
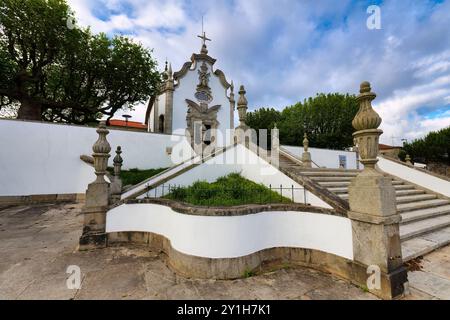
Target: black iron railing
point(237, 194)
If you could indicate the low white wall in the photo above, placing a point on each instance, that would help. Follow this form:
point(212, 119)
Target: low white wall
point(415, 176)
point(237, 236)
point(239, 159)
point(44, 158)
point(325, 157)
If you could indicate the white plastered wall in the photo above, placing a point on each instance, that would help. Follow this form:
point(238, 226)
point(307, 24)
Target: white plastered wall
point(44, 158)
point(236, 236)
point(325, 157)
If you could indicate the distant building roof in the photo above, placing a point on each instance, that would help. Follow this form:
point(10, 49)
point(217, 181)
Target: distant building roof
point(387, 147)
point(130, 124)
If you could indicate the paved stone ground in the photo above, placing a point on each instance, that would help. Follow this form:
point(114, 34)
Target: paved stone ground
point(38, 243)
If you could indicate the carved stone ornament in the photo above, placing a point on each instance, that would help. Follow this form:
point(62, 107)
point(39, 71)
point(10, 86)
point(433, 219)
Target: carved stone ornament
point(200, 113)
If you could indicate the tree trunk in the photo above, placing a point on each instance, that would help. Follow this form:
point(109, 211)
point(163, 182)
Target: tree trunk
point(29, 110)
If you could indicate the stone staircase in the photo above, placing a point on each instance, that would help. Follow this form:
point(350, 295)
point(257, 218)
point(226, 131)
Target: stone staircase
point(425, 215)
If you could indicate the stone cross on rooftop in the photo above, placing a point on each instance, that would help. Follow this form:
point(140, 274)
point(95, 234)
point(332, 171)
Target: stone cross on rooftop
point(204, 38)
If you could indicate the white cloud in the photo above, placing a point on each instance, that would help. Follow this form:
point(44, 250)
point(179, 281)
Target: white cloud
point(286, 51)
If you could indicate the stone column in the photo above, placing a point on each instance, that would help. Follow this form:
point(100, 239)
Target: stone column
point(169, 89)
point(156, 115)
point(116, 185)
point(97, 195)
point(275, 146)
point(306, 156)
point(241, 130)
point(375, 221)
point(356, 150)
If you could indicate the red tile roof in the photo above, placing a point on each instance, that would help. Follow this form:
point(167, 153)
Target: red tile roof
point(131, 124)
point(387, 147)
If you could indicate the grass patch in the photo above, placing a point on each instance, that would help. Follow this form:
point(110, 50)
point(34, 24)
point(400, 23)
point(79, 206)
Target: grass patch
point(248, 273)
point(135, 176)
point(231, 190)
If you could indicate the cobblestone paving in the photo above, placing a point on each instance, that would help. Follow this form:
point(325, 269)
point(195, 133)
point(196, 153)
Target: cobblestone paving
point(38, 243)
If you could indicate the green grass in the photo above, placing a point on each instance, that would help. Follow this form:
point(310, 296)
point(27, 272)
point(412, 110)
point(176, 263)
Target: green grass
point(134, 176)
point(248, 273)
point(231, 190)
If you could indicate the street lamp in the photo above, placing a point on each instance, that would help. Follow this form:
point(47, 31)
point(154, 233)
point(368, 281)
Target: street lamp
point(404, 141)
point(126, 116)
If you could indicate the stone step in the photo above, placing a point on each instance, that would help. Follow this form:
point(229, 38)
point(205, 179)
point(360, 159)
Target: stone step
point(415, 198)
point(404, 187)
point(416, 215)
point(421, 205)
point(425, 244)
point(340, 179)
point(408, 192)
point(417, 228)
point(340, 190)
point(330, 173)
point(334, 184)
point(343, 194)
point(321, 170)
point(397, 182)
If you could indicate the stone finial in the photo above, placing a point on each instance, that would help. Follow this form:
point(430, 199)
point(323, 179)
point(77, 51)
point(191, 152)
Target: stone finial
point(118, 161)
point(305, 142)
point(372, 202)
point(408, 159)
point(306, 155)
point(232, 92)
point(169, 78)
point(366, 123)
point(169, 72)
point(242, 106)
point(366, 118)
point(97, 195)
point(101, 149)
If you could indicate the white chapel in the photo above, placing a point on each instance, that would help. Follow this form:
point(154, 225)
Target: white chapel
point(196, 94)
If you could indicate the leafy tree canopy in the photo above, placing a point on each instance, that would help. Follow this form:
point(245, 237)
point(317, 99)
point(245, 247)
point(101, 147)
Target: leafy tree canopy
point(57, 71)
point(434, 147)
point(326, 118)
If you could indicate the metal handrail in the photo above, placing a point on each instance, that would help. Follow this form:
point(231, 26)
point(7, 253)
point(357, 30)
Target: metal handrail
point(200, 159)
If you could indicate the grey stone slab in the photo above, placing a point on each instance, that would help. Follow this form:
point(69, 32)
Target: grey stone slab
point(441, 236)
point(416, 247)
point(423, 226)
point(429, 283)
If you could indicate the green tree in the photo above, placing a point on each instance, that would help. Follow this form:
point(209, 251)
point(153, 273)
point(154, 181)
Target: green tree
point(327, 118)
point(263, 118)
point(57, 71)
point(434, 147)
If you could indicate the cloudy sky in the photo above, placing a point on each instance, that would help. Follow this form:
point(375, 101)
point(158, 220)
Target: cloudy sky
point(284, 51)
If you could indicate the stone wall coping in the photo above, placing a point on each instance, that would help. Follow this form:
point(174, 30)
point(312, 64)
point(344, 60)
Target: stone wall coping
point(312, 147)
point(41, 198)
point(91, 127)
point(189, 209)
point(415, 168)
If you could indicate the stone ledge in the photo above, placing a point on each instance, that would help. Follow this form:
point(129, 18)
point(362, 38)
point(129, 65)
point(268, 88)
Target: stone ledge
point(42, 198)
point(241, 210)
